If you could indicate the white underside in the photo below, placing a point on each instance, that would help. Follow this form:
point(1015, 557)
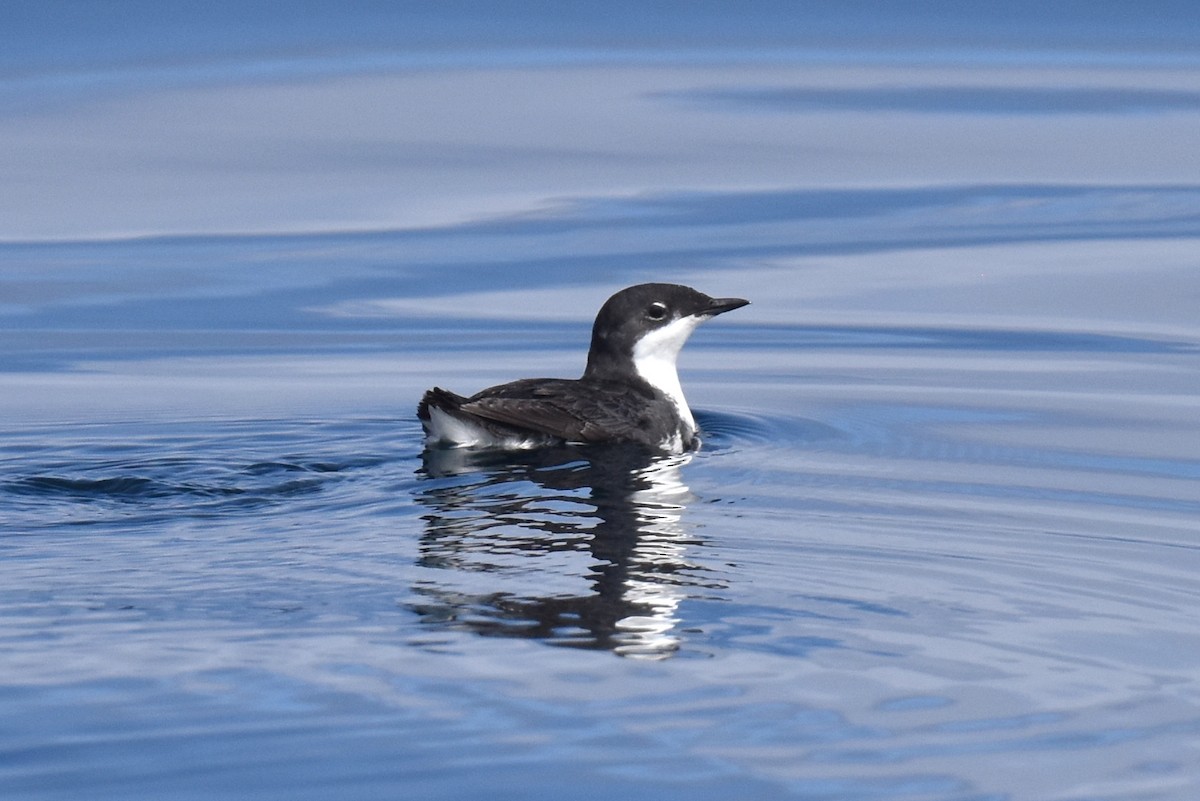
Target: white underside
point(448, 430)
point(654, 359)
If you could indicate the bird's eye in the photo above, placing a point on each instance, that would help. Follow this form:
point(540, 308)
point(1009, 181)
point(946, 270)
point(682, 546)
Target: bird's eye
point(657, 311)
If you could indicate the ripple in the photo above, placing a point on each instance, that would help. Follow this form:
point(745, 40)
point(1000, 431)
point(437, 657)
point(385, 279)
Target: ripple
point(726, 429)
point(118, 487)
point(111, 474)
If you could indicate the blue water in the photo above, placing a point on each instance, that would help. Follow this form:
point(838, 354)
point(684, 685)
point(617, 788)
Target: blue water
point(941, 541)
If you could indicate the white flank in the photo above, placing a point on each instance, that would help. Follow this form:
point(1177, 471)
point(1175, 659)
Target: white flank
point(654, 359)
point(445, 429)
point(449, 430)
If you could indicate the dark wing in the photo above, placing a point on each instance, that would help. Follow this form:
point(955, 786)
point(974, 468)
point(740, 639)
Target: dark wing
point(575, 411)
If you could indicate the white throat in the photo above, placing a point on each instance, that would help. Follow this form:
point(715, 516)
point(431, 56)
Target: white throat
point(654, 359)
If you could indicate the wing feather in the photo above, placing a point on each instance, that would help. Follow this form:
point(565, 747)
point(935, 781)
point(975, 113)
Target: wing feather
point(570, 410)
point(584, 411)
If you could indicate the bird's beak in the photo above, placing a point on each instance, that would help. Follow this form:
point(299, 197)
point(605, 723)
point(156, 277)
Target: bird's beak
point(721, 305)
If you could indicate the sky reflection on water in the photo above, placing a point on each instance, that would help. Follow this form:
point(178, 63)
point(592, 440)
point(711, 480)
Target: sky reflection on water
point(144, 121)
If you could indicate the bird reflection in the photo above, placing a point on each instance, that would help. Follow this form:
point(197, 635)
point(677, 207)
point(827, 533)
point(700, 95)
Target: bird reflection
point(582, 547)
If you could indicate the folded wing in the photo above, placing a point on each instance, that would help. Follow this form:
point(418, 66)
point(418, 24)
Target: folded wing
point(571, 411)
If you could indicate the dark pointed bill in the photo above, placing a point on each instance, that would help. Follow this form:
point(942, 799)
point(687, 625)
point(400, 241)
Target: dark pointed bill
point(721, 305)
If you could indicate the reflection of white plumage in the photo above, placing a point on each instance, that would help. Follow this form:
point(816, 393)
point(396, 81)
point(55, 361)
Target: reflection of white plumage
point(659, 507)
point(513, 535)
point(630, 391)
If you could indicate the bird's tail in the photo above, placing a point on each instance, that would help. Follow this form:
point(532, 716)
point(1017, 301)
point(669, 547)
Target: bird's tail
point(438, 398)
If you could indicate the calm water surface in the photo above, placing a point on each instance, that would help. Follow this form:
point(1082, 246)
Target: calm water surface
point(941, 541)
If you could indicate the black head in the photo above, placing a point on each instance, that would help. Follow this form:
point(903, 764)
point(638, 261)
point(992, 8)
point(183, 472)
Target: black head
point(633, 313)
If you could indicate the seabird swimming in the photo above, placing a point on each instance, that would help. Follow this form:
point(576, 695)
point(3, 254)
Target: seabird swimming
point(629, 392)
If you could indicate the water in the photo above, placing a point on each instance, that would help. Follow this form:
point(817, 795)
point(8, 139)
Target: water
point(941, 540)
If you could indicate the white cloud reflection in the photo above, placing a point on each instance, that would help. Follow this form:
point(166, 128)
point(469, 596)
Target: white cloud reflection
point(411, 148)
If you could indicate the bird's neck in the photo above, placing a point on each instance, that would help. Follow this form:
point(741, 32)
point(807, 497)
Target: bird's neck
point(648, 370)
point(658, 370)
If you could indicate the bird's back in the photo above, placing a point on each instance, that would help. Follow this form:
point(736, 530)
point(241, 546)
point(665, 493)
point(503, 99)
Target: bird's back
point(538, 411)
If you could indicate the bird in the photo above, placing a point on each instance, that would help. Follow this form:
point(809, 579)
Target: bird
point(628, 393)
